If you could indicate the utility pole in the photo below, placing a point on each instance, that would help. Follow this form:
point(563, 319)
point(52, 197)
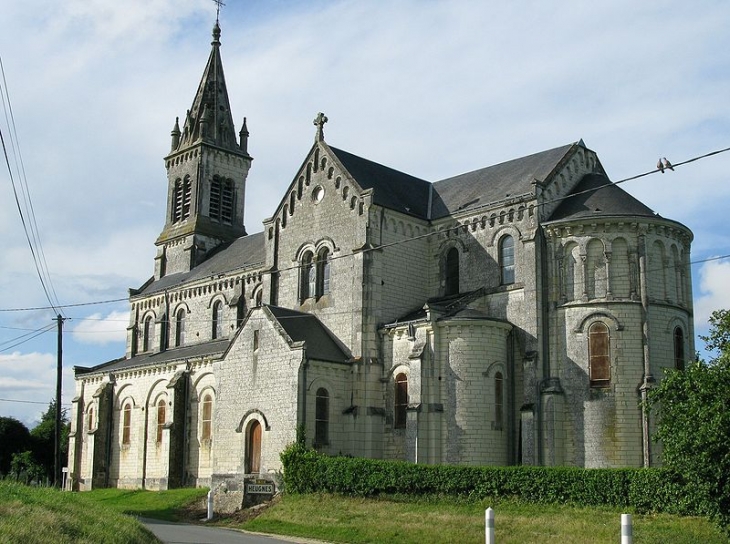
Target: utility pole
point(59, 371)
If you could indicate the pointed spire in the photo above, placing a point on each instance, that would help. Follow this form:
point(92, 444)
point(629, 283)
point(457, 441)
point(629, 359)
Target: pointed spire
point(175, 134)
point(210, 115)
point(243, 137)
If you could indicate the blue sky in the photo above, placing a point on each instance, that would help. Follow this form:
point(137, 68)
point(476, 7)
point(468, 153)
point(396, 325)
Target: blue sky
point(433, 88)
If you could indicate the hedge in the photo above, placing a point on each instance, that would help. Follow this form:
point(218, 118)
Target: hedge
point(646, 490)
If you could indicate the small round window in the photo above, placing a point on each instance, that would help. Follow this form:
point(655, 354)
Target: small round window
point(318, 194)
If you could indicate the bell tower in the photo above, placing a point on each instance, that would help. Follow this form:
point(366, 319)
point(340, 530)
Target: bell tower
point(206, 176)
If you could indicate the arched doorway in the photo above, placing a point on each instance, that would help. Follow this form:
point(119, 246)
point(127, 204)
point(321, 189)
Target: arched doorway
point(253, 448)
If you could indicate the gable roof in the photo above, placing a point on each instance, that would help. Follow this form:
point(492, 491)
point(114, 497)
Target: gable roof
point(242, 253)
point(414, 196)
point(392, 189)
point(495, 183)
point(594, 196)
point(319, 341)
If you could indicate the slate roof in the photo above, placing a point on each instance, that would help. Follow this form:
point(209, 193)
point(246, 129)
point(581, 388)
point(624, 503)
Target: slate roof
point(319, 341)
point(393, 189)
point(495, 183)
point(214, 349)
point(242, 253)
point(594, 196)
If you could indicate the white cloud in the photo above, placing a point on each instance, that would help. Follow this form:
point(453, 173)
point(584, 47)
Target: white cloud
point(714, 292)
point(98, 329)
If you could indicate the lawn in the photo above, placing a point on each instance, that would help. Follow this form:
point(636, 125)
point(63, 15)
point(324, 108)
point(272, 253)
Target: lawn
point(355, 520)
point(39, 515)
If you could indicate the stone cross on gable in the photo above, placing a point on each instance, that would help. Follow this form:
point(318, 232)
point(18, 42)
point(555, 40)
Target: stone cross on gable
point(319, 122)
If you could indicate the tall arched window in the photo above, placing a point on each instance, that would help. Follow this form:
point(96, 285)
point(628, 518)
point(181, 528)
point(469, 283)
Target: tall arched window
point(220, 206)
point(180, 327)
point(181, 197)
point(308, 277)
point(507, 259)
point(240, 311)
point(599, 366)
point(147, 332)
point(498, 400)
point(401, 401)
point(323, 272)
point(217, 320)
point(127, 424)
point(259, 298)
point(678, 348)
point(90, 419)
point(160, 419)
point(322, 417)
point(254, 448)
point(452, 272)
point(206, 416)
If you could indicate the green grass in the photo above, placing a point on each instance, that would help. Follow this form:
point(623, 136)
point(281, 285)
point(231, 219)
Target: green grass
point(165, 505)
point(40, 515)
point(356, 520)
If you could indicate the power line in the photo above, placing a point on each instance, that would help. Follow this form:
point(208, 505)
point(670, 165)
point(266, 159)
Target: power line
point(30, 226)
point(28, 338)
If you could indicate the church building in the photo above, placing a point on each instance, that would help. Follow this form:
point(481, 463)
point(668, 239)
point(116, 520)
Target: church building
point(516, 314)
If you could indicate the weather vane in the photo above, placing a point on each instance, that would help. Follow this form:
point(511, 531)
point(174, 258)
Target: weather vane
point(218, 4)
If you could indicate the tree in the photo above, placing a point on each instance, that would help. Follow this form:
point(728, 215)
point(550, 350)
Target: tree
point(14, 438)
point(693, 420)
point(43, 438)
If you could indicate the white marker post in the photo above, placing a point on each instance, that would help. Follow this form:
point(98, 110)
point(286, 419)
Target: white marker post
point(627, 531)
point(489, 525)
point(210, 505)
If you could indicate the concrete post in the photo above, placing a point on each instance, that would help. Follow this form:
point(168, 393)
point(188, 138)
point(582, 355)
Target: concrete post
point(210, 505)
point(627, 531)
point(489, 525)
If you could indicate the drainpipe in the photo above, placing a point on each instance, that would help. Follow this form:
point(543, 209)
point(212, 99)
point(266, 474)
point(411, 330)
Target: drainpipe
point(303, 419)
point(109, 423)
point(185, 438)
point(648, 378)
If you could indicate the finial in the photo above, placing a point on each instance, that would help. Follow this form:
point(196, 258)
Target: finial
point(319, 122)
point(243, 135)
point(175, 134)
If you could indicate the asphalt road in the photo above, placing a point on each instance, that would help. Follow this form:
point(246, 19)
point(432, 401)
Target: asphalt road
point(181, 533)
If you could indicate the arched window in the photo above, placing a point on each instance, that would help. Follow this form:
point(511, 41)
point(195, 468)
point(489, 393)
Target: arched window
point(507, 259)
point(90, 419)
point(259, 298)
point(599, 366)
point(217, 320)
point(147, 332)
point(180, 327)
point(240, 311)
point(160, 419)
point(401, 401)
point(308, 277)
point(254, 448)
point(206, 416)
point(220, 206)
point(322, 417)
point(452, 272)
point(181, 197)
point(498, 400)
point(126, 423)
point(323, 272)
point(678, 348)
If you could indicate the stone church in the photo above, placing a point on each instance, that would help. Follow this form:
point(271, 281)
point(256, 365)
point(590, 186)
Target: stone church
point(516, 314)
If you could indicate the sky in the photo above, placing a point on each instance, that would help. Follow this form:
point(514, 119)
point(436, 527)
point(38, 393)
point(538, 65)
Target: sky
point(433, 88)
